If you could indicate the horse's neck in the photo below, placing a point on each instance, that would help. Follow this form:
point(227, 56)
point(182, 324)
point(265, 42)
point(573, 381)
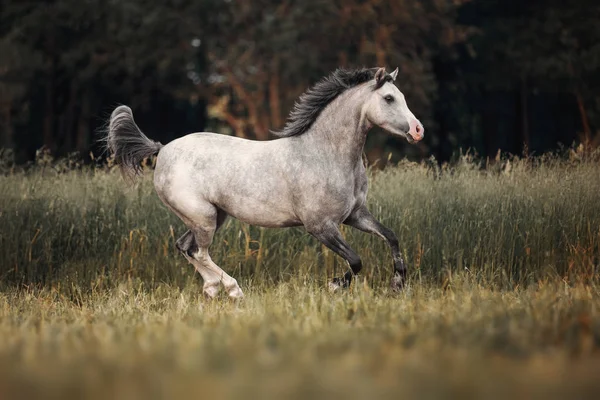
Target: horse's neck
point(340, 131)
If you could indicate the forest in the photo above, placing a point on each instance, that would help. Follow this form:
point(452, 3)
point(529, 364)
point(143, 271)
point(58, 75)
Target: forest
point(520, 77)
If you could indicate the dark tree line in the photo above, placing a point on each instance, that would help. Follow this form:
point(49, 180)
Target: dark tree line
point(484, 74)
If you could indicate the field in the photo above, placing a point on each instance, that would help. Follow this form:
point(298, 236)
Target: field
point(503, 297)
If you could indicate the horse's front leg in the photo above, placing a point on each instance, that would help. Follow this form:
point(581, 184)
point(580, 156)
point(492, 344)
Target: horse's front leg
point(363, 220)
point(329, 234)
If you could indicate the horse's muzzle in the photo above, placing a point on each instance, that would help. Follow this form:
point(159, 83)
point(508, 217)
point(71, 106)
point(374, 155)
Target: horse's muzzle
point(416, 130)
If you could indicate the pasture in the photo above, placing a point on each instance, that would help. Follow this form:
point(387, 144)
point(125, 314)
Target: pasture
point(502, 298)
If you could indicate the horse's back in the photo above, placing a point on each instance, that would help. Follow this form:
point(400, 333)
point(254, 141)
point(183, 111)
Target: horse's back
point(204, 156)
point(200, 141)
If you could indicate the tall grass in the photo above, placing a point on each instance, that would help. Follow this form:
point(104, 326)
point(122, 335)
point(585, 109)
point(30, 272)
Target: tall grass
point(528, 221)
point(503, 299)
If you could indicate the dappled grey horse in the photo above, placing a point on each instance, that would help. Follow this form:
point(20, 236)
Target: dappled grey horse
point(313, 175)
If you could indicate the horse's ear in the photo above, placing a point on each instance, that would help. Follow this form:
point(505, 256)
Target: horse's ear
point(394, 74)
point(379, 75)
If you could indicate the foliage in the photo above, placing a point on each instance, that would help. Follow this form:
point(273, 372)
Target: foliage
point(262, 74)
point(532, 54)
point(471, 69)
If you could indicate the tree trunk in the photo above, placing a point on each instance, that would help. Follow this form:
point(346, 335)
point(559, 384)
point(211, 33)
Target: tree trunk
point(69, 119)
point(587, 133)
point(274, 103)
point(381, 38)
point(259, 112)
point(524, 117)
point(83, 126)
point(48, 130)
point(7, 141)
point(488, 125)
point(49, 114)
point(251, 103)
point(577, 84)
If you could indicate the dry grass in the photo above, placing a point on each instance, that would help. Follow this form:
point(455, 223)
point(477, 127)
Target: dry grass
point(294, 340)
point(503, 299)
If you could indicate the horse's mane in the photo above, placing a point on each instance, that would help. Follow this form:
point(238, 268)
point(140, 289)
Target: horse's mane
point(310, 104)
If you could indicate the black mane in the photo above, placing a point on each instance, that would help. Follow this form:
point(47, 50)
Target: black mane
point(314, 100)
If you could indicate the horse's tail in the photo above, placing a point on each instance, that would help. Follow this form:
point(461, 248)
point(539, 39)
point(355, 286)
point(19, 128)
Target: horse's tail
point(126, 142)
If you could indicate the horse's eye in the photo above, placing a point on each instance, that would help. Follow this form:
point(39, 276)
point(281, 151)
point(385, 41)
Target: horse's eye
point(389, 98)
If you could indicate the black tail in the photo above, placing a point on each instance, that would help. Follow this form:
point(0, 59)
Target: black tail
point(127, 143)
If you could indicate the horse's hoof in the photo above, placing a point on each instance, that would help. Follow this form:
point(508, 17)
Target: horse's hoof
point(338, 284)
point(397, 283)
point(334, 287)
point(235, 293)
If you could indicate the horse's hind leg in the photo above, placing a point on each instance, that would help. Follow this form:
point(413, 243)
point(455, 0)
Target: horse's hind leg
point(194, 246)
point(189, 248)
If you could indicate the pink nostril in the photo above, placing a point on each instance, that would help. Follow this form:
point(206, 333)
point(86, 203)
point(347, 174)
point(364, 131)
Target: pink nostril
point(416, 130)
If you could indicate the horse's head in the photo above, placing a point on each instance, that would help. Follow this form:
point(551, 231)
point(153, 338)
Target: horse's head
point(386, 108)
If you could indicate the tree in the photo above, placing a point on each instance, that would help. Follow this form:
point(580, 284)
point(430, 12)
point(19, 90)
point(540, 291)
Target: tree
point(13, 86)
point(545, 46)
point(266, 53)
point(69, 57)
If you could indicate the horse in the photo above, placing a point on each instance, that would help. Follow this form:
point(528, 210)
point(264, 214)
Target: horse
point(311, 175)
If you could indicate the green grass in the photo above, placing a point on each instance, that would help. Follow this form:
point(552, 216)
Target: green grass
point(503, 296)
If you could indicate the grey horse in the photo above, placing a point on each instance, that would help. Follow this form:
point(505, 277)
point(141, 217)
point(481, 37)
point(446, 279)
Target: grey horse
point(312, 175)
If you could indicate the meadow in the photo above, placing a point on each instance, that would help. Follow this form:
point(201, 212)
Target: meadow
point(502, 299)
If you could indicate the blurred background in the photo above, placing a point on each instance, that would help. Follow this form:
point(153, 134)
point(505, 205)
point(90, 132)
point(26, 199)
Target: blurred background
point(519, 76)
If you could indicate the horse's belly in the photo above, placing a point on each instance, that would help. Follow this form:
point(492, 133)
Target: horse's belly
point(255, 211)
point(267, 219)
point(266, 204)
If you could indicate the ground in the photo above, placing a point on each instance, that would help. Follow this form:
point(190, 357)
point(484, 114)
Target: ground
point(502, 299)
point(294, 340)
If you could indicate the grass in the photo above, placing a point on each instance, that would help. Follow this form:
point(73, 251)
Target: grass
point(295, 341)
point(503, 297)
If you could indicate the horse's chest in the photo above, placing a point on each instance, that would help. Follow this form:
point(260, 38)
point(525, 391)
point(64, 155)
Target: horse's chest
point(331, 195)
point(350, 196)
